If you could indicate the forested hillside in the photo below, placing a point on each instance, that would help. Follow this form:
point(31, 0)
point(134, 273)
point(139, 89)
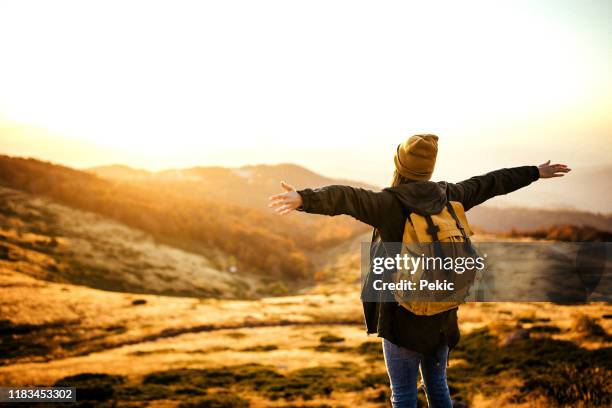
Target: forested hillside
point(259, 240)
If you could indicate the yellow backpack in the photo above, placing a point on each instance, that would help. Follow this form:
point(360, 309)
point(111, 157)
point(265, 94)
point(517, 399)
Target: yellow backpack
point(446, 234)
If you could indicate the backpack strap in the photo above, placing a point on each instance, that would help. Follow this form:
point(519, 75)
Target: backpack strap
point(466, 237)
point(432, 230)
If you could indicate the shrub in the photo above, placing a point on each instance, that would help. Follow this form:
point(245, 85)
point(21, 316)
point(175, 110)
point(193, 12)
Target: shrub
point(92, 386)
point(217, 400)
point(588, 327)
point(330, 338)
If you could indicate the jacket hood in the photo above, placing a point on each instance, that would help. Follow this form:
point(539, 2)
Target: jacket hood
point(421, 197)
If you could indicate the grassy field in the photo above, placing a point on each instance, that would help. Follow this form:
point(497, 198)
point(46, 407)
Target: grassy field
point(306, 350)
point(88, 302)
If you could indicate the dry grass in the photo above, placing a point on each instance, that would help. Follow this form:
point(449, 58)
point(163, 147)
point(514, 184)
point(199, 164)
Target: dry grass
point(57, 243)
point(156, 337)
point(308, 349)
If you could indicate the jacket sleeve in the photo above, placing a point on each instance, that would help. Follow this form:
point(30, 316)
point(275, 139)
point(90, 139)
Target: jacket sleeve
point(365, 205)
point(479, 189)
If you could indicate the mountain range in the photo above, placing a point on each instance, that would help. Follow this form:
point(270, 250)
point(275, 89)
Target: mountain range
point(587, 189)
point(203, 231)
point(251, 185)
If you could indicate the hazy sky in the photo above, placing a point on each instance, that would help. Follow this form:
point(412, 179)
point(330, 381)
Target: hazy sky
point(333, 85)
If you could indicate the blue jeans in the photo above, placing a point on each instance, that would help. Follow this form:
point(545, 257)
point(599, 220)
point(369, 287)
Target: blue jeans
point(403, 368)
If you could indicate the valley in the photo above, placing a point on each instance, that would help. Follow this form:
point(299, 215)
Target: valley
point(144, 293)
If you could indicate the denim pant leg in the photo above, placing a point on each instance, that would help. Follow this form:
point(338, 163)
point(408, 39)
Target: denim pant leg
point(433, 371)
point(403, 368)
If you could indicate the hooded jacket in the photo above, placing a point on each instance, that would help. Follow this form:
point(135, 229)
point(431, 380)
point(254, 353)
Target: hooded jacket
point(387, 211)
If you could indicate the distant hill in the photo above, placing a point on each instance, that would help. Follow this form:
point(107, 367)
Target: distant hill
point(584, 189)
point(181, 214)
point(56, 243)
point(251, 185)
point(248, 185)
point(119, 171)
point(566, 233)
point(221, 213)
point(495, 219)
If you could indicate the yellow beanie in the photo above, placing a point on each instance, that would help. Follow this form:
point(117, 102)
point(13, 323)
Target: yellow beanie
point(416, 157)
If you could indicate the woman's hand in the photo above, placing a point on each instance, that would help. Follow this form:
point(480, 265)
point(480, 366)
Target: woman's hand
point(286, 202)
point(548, 170)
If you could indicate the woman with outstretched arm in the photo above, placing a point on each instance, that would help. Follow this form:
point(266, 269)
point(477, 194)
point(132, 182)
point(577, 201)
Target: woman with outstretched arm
point(411, 341)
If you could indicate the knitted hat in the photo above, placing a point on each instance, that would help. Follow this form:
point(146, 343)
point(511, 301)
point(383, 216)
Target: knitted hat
point(416, 157)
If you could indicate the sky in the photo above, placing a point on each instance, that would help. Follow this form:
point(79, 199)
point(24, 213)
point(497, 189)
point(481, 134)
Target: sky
point(331, 85)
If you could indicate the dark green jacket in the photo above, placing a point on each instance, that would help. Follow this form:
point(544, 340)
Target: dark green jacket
point(386, 211)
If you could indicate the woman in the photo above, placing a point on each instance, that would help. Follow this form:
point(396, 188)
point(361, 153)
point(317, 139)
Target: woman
point(411, 341)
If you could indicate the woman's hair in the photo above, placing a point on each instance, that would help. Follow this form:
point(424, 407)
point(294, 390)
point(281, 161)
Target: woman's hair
point(395, 181)
point(399, 179)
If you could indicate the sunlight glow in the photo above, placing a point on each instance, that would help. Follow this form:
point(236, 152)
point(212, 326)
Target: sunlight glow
point(172, 83)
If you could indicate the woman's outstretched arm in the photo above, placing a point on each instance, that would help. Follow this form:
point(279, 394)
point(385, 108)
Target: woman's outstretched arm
point(365, 205)
point(478, 189)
